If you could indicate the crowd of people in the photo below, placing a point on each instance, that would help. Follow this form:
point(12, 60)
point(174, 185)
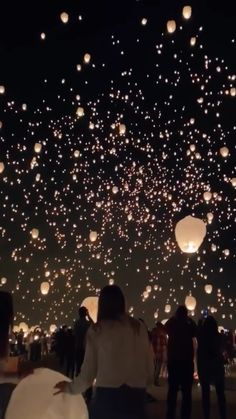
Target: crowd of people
point(120, 358)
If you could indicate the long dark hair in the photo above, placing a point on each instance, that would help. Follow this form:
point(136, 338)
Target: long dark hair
point(6, 320)
point(111, 304)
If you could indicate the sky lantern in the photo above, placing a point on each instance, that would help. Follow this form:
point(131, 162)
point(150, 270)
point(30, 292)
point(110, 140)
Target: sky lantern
point(193, 41)
point(167, 308)
point(93, 235)
point(91, 303)
point(210, 217)
point(87, 58)
point(2, 167)
point(24, 326)
point(233, 91)
point(233, 181)
point(187, 12)
point(52, 328)
point(34, 233)
point(80, 112)
point(76, 154)
point(208, 288)
point(207, 196)
point(64, 17)
point(190, 233)
point(122, 129)
point(2, 90)
point(224, 151)
point(3, 281)
point(171, 26)
point(44, 288)
point(37, 148)
point(226, 252)
point(190, 302)
point(115, 190)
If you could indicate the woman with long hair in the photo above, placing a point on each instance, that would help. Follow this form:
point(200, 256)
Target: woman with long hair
point(118, 356)
point(211, 365)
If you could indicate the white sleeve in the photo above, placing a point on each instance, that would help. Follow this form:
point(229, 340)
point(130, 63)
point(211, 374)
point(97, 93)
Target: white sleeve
point(89, 368)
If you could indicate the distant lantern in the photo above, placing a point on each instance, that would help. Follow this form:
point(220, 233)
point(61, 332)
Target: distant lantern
point(87, 58)
point(2, 167)
point(37, 147)
point(187, 12)
point(91, 303)
point(233, 91)
point(93, 235)
point(193, 41)
point(224, 151)
point(2, 90)
point(210, 217)
point(192, 147)
point(52, 328)
point(226, 252)
point(24, 326)
point(207, 196)
point(208, 288)
point(3, 280)
point(233, 181)
point(80, 112)
point(122, 129)
point(1, 124)
point(171, 26)
point(167, 308)
point(64, 17)
point(190, 233)
point(115, 190)
point(144, 21)
point(44, 288)
point(76, 154)
point(34, 233)
point(190, 302)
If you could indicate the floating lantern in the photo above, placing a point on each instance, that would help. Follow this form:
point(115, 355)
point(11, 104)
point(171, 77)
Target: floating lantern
point(91, 303)
point(2, 90)
point(76, 154)
point(64, 17)
point(87, 58)
point(80, 112)
point(233, 181)
point(144, 21)
point(226, 252)
point(115, 190)
point(224, 151)
point(37, 148)
point(190, 302)
point(208, 288)
point(171, 26)
point(187, 12)
point(193, 41)
point(52, 328)
point(44, 288)
point(122, 129)
point(210, 217)
point(93, 235)
point(3, 280)
point(24, 326)
point(2, 167)
point(233, 91)
point(190, 233)
point(167, 308)
point(34, 233)
point(207, 196)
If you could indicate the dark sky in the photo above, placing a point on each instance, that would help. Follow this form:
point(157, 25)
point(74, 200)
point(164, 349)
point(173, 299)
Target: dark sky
point(26, 61)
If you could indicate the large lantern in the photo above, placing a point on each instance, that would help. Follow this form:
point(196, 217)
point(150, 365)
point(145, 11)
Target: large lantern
point(224, 151)
point(87, 58)
point(2, 167)
point(208, 288)
point(91, 303)
point(24, 326)
point(167, 308)
point(64, 17)
point(207, 196)
point(190, 233)
point(187, 12)
point(190, 302)
point(3, 280)
point(93, 235)
point(34, 233)
point(44, 288)
point(2, 90)
point(122, 129)
point(171, 26)
point(233, 182)
point(37, 148)
point(80, 112)
point(52, 328)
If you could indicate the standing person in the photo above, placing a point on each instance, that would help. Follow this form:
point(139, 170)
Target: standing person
point(181, 331)
point(118, 356)
point(81, 327)
point(211, 365)
point(159, 343)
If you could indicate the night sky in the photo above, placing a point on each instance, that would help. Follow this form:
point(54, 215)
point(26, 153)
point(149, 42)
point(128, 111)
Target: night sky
point(124, 145)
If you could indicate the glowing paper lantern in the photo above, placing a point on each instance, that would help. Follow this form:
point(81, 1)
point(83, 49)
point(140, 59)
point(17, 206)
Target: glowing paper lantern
point(2, 167)
point(233, 181)
point(41, 403)
point(233, 91)
point(207, 196)
point(167, 308)
point(76, 154)
point(24, 326)
point(210, 217)
point(34, 233)
point(193, 41)
point(224, 151)
point(171, 26)
point(64, 17)
point(91, 303)
point(115, 189)
point(144, 21)
point(44, 288)
point(52, 328)
point(2, 90)
point(187, 12)
point(122, 129)
point(3, 280)
point(190, 233)
point(93, 235)
point(80, 112)
point(190, 302)
point(87, 58)
point(37, 147)
point(226, 252)
point(208, 288)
